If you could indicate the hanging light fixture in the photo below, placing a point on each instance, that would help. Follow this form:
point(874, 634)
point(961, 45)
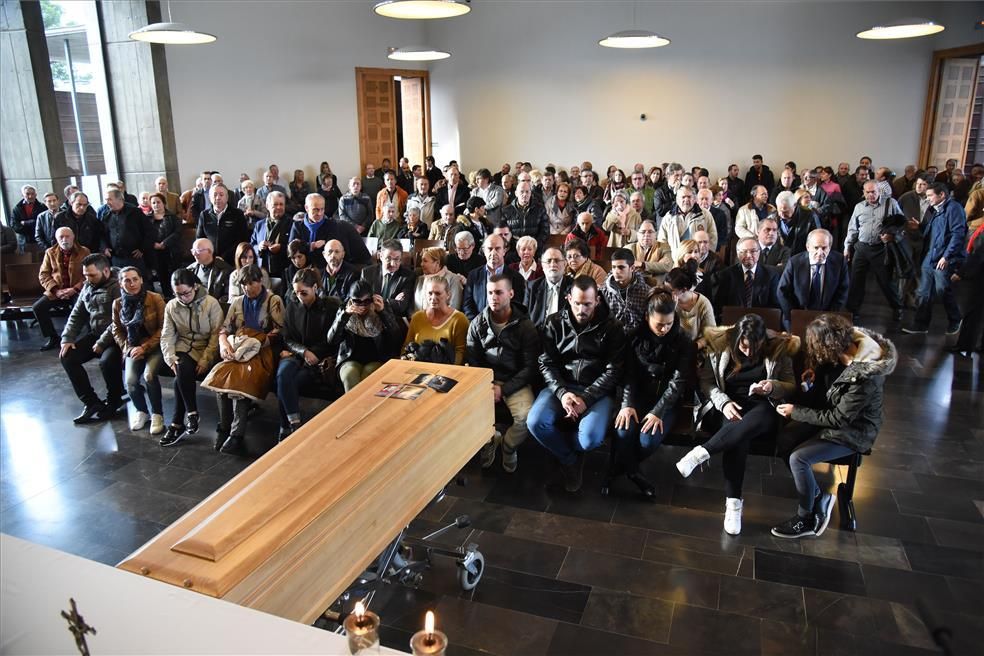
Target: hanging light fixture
point(416, 53)
point(171, 33)
point(422, 9)
point(634, 38)
point(906, 28)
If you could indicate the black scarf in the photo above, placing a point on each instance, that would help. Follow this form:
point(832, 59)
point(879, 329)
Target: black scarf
point(132, 316)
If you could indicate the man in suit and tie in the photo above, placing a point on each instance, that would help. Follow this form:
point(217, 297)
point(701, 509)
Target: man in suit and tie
point(747, 283)
point(394, 282)
point(773, 253)
point(546, 295)
point(476, 294)
point(455, 193)
point(816, 279)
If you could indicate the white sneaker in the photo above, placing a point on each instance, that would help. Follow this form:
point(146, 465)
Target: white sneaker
point(139, 420)
point(694, 458)
point(156, 424)
point(732, 516)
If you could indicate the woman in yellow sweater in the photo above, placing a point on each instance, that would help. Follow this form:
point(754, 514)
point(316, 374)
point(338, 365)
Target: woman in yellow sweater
point(438, 319)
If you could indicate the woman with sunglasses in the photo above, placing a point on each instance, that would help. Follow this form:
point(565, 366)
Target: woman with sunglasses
point(365, 334)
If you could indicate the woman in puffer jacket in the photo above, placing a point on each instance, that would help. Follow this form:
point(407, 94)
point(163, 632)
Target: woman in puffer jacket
point(856, 361)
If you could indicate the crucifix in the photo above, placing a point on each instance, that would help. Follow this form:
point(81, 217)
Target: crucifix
point(78, 627)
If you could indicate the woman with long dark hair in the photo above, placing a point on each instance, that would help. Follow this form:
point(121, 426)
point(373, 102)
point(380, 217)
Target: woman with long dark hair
point(851, 365)
point(365, 333)
point(747, 368)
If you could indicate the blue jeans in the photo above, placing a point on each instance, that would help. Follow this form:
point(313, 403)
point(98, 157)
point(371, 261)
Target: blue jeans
point(546, 422)
point(292, 375)
point(139, 372)
point(632, 446)
point(799, 445)
point(935, 284)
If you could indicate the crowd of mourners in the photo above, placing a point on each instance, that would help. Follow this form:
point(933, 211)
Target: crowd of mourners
point(597, 302)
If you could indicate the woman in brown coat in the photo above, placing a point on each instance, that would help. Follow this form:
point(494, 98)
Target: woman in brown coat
point(138, 316)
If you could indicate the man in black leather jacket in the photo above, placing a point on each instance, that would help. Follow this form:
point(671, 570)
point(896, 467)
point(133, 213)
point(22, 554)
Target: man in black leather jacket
point(503, 338)
point(583, 353)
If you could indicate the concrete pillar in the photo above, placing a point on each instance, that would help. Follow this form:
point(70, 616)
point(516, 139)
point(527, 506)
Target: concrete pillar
point(31, 147)
point(139, 96)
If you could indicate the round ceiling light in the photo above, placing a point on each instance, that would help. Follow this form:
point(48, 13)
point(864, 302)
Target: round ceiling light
point(422, 9)
point(417, 53)
point(902, 29)
point(634, 39)
point(171, 34)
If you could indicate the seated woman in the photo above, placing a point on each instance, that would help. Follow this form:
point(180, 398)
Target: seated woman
point(299, 254)
point(694, 310)
point(245, 256)
point(245, 371)
point(438, 320)
point(365, 335)
point(659, 370)
point(138, 316)
point(251, 205)
point(746, 368)
point(414, 228)
point(305, 355)
point(527, 266)
point(433, 262)
point(856, 362)
point(189, 343)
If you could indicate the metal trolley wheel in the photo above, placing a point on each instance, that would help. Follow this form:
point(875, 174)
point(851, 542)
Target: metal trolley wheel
point(470, 569)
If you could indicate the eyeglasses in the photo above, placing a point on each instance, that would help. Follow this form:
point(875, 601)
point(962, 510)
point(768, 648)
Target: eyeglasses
point(363, 302)
point(748, 252)
point(190, 292)
point(199, 251)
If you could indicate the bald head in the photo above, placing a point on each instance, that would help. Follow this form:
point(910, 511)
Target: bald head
point(203, 251)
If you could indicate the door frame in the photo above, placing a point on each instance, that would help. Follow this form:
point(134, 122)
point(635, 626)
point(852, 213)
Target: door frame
point(933, 94)
point(424, 76)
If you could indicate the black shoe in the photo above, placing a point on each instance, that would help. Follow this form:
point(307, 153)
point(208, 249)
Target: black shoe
point(915, 330)
point(51, 344)
point(90, 412)
point(822, 510)
point(897, 315)
point(173, 435)
point(191, 423)
point(797, 527)
point(111, 408)
point(234, 446)
point(954, 328)
point(220, 439)
point(254, 407)
point(647, 489)
point(574, 474)
point(287, 431)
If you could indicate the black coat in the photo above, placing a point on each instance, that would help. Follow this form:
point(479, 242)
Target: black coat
point(777, 256)
point(529, 221)
point(215, 279)
point(167, 231)
point(728, 287)
point(227, 234)
point(404, 282)
point(128, 230)
point(464, 267)
point(461, 196)
point(476, 295)
point(339, 284)
point(280, 234)
point(306, 328)
point(800, 226)
point(19, 220)
point(794, 284)
point(355, 248)
point(658, 372)
point(387, 343)
point(511, 355)
point(87, 228)
point(536, 298)
point(585, 360)
point(764, 178)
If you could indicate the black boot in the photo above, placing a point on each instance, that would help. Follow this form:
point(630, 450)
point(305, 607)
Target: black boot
point(645, 486)
point(51, 344)
point(220, 438)
point(614, 471)
point(574, 474)
point(89, 413)
point(234, 446)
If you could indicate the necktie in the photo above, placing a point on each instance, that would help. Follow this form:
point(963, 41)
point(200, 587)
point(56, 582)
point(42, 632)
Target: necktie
point(551, 300)
point(748, 288)
point(765, 253)
point(816, 290)
point(386, 285)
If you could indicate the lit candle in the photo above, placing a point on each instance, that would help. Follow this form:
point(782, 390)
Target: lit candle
point(428, 642)
point(362, 628)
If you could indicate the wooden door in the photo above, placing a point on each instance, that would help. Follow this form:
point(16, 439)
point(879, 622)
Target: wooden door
point(953, 111)
point(412, 96)
point(377, 116)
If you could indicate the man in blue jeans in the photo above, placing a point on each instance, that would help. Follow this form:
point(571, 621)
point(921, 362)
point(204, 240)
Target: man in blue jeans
point(583, 353)
point(945, 235)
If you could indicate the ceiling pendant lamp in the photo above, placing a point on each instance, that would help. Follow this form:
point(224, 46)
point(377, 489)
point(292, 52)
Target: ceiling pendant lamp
point(417, 53)
point(906, 28)
point(422, 9)
point(634, 39)
point(171, 33)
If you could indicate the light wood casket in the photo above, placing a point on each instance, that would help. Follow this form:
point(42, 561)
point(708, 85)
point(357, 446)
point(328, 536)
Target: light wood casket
point(294, 529)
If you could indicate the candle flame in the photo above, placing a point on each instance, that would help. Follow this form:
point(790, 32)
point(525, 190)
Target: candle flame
point(429, 622)
point(360, 609)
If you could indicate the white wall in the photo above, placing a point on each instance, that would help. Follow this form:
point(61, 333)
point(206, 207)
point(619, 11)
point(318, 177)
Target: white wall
point(527, 80)
point(288, 97)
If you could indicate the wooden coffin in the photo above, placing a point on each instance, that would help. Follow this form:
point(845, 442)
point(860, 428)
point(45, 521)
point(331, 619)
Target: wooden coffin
point(293, 530)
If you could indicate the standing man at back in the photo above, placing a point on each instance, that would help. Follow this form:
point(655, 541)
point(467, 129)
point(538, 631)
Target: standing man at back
point(865, 246)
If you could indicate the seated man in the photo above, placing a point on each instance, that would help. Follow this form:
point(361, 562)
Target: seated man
point(339, 274)
point(211, 271)
point(386, 226)
point(546, 295)
point(816, 279)
point(773, 252)
point(356, 207)
point(465, 258)
point(476, 296)
point(577, 253)
point(394, 282)
point(708, 261)
point(502, 338)
point(91, 314)
point(652, 258)
point(583, 354)
point(625, 291)
point(61, 278)
point(747, 283)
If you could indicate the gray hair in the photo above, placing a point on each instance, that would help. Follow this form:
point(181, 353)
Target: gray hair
point(786, 198)
point(114, 194)
point(526, 240)
point(820, 232)
point(276, 194)
point(674, 167)
point(620, 194)
point(464, 238)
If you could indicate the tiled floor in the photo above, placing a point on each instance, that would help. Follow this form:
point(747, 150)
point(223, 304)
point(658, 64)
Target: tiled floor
point(584, 574)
